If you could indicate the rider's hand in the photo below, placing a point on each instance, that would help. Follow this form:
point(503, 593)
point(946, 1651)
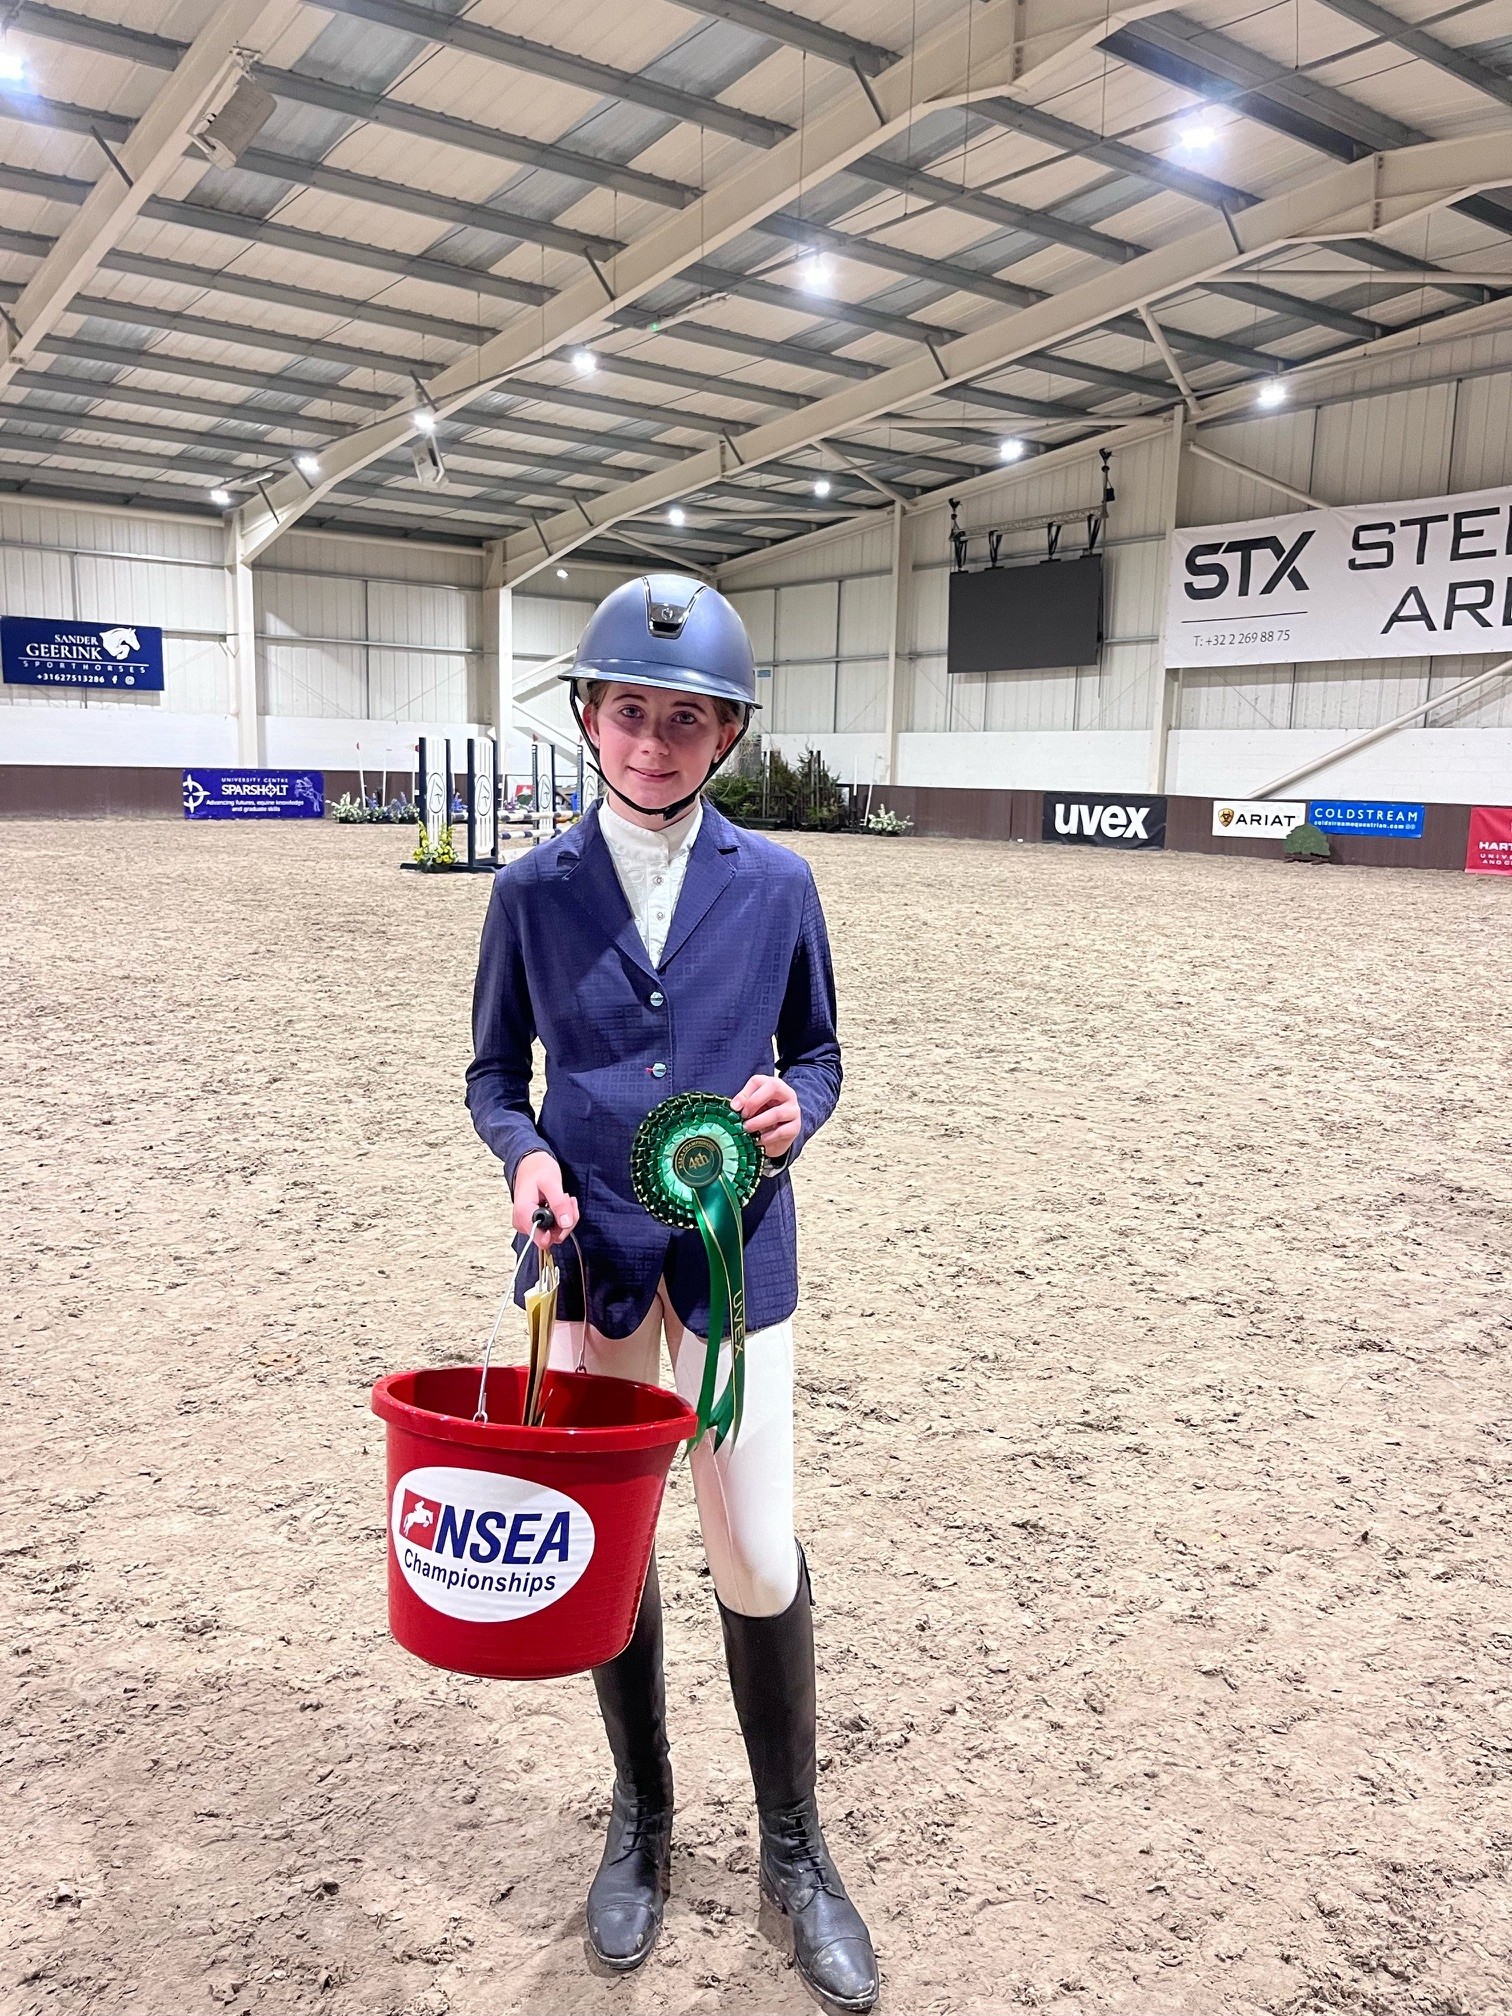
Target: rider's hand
point(538, 1180)
point(769, 1108)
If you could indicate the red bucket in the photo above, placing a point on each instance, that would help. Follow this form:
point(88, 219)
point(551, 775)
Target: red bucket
point(520, 1553)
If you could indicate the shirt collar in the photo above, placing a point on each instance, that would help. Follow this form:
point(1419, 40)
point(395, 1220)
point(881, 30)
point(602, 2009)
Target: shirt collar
point(636, 843)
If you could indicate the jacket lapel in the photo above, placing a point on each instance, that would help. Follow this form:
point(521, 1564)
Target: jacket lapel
point(711, 869)
point(593, 884)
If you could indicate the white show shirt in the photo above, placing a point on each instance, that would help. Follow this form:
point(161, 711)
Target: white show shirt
point(650, 867)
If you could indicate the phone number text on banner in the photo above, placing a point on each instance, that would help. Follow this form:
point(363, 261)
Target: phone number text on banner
point(1428, 578)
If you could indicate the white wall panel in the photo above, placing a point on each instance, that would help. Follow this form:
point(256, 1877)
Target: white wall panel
point(1396, 446)
point(757, 608)
point(1281, 446)
point(321, 681)
point(417, 685)
point(1482, 434)
point(436, 617)
point(861, 696)
point(300, 605)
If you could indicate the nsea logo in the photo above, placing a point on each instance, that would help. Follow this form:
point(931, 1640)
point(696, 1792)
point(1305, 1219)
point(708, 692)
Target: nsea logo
point(484, 1548)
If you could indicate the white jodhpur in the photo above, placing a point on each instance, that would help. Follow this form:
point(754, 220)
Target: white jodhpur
point(745, 1489)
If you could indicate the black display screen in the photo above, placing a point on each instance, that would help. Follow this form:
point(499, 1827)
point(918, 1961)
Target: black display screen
point(1014, 619)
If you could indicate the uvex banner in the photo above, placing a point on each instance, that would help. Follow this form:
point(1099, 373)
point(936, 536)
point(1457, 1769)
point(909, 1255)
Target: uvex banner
point(1430, 578)
point(1087, 821)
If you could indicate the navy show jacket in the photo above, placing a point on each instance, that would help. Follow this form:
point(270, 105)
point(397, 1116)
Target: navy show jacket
point(745, 982)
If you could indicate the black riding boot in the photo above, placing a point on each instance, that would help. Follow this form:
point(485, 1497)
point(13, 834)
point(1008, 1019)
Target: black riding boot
point(626, 1896)
point(771, 1663)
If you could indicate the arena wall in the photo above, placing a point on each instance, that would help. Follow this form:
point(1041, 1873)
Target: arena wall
point(356, 646)
point(359, 646)
point(836, 609)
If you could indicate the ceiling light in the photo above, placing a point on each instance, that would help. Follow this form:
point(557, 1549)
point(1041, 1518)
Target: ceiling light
point(1010, 451)
point(308, 466)
point(561, 573)
point(822, 487)
point(1196, 136)
point(220, 498)
point(584, 363)
point(814, 273)
point(677, 515)
point(12, 65)
point(1272, 393)
point(425, 420)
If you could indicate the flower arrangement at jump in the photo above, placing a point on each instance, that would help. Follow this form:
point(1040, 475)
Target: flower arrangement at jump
point(436, 855)
point(884, 820)
point(370, 810)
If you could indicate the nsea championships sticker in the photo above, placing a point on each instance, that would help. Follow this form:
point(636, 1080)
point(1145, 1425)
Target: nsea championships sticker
point(254, 794)
point(1381, 820)
point(1488, 850)
point(47, 651)
point(485, 1548)
point(1256, 818)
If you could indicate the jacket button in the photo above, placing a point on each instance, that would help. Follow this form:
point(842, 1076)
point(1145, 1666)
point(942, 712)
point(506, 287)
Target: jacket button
point(658, 1000)
point(658, 1070)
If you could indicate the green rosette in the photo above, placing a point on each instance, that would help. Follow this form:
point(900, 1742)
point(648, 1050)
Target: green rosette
point(693, 1166)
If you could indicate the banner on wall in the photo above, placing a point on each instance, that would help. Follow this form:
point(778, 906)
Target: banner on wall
point(1382, 821)
point(1428, 578)
point(254, 794)
point(1489, 848)
point(49, 651)
point(1256, 818)
point(1079, 819)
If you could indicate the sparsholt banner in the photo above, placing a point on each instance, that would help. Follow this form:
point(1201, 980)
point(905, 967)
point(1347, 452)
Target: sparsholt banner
point(1428, 578)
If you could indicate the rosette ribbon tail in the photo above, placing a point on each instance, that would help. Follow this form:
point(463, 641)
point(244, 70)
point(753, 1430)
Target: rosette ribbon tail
point(718, 1213)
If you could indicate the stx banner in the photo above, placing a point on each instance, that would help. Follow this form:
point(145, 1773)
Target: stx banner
point(1082, 820)
point(254, 794)
point(1489, 848)
point(1386, 821)
point(1256, 818)
point(47, 651)
point(1427, 578)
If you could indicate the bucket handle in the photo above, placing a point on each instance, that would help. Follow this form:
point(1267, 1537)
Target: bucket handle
point(543, 1221)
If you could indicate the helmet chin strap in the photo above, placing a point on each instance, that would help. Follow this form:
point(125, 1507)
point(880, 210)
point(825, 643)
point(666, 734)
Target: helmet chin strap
point(666, 812)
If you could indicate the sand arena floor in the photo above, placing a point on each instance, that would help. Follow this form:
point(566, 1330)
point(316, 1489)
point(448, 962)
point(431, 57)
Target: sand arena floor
point(1155, 1437)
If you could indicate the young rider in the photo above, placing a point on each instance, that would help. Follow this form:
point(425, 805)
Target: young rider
point(653, 949)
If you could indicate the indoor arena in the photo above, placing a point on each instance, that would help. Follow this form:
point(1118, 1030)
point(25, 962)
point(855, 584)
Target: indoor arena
point(756, 816)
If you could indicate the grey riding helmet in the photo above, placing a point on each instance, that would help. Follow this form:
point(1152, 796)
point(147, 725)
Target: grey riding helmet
point(670, 631)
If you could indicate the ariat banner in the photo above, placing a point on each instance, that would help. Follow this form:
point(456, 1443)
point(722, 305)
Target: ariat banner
point(1085, 821)
point(1256, 818)
point(1428, 578)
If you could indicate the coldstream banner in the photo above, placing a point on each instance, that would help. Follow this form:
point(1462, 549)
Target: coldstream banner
point(1430, 578)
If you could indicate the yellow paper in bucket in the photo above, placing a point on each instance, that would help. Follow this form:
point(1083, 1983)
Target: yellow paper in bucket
point(540, 1316)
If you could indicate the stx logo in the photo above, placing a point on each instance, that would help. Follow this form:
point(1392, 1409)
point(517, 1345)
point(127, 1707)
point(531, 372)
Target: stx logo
point(1114, 822)
point(1209, 575)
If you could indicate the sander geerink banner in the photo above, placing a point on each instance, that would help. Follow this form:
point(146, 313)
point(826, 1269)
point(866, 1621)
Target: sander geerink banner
point(1429, 578)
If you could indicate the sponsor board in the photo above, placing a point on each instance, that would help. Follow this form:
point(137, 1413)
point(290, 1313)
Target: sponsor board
point(48, 651)
point(1488, 851)
point(484, 1548)
point(1382, 821)
point(1256, 818)
point(1431, 577)
point(1083, 819)
point(254, 794)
